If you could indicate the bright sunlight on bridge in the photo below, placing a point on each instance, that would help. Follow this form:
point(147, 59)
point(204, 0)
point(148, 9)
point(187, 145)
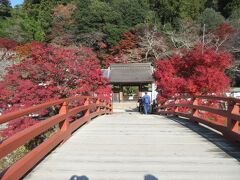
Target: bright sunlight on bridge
point(132, 146)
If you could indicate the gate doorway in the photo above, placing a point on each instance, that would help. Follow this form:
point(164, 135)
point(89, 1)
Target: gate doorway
point(130, 93)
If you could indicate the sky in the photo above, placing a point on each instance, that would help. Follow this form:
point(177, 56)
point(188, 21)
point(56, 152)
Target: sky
point(15, 2)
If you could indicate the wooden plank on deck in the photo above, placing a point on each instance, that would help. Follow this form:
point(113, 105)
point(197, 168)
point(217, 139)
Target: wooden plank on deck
point(133, 146)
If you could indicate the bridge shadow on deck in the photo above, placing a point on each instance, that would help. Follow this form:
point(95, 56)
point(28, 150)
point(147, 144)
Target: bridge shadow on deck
point(146, 177)
point(75, 177)
point(230, 148)
point(132, 110)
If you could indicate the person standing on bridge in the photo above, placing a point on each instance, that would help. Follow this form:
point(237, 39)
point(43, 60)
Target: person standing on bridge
point(146, 102)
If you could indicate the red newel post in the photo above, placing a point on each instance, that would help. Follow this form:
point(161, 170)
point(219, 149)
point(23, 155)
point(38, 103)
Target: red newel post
point(103, 106)
point(87, 112)
point(175, 108)
point(232, 125)
point(110, 106)
point(98, 105)
point(64, 110)
point(195, 113)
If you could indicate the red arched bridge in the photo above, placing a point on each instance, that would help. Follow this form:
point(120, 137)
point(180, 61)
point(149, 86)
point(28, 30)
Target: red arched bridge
point(187, 138)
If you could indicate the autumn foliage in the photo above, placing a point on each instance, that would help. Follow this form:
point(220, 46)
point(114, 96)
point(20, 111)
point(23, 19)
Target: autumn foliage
point(112, 59)
point(24, 50)
point(195, 72)
point(223, 31)
point(128, 41)
point(7, 43)
point(51, 73)
point(118, 53)
point(17, 126)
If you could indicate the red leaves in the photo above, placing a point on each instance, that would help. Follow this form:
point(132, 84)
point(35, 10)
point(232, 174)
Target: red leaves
point(128, 41)
point(52, 73)
point(7, 43)
point(17, 126)
point(112, 59)
point(24, 50)
point(166, 79)
point(102, 45)
point(119, 53)
point(223, 31)
point(210, 80)
point(193, 73)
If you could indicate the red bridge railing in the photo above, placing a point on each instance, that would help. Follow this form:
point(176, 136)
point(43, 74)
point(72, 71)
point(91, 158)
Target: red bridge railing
point(219, 113)
point(89, 107)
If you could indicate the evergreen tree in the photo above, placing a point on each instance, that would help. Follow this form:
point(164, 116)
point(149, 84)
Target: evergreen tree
point(211, 18)
point(111, 17)
point(234, 19)
point(226, 7)
point(21, 28)
point(133, 12)
point(212, 4)
point(190, 9)
point(41, 11)
point(172, 11)
point(5, 8)
point(166, 11)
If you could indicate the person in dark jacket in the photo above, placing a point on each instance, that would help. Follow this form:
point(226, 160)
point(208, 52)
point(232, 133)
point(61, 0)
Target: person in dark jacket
point(146, 102)
point(140, 105)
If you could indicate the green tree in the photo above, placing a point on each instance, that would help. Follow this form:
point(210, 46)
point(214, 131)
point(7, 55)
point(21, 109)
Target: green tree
point(173, 11)
point(21, 27)
point(133, 12)
point(113, 33)
point(94, 15)
point(111, 17)
point(190, 9)
point(211, 18)
point(212, 4)
point(41, 11)
point(5, 8)
point(226, 7)
point(166, 10)
point(234, 19)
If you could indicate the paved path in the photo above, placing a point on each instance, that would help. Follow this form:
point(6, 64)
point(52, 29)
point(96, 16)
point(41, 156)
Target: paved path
point(143, 147)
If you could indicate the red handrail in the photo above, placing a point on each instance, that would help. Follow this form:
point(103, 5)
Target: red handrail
point(228, 118)
point(91, 108)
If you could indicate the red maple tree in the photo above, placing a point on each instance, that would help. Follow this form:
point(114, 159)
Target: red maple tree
point(194, 73)
point(128, 41)
point(24, 50)
point(223, 31)
point(117, 53)
point(7, 47)
point(51, 73)
point(7, 43)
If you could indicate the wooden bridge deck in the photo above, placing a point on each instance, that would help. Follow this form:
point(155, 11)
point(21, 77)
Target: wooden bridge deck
point(135, 146)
